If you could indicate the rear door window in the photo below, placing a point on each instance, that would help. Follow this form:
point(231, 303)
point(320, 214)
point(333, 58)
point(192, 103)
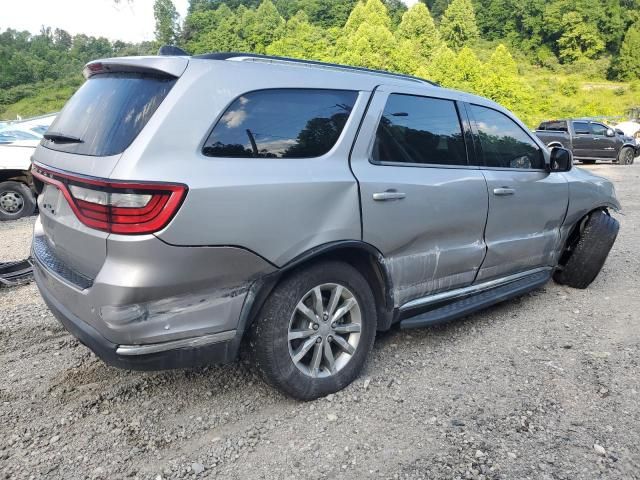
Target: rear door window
point(281, 123)
point(108, 112)
point(419, 130)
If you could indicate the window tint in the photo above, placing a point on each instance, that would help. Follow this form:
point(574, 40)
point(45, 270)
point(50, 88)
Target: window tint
point(581, 128)
point(419, 130)
point(598, 129)
point(108, 112)
point(504, 144)
point(281, 123)
point(556, 126)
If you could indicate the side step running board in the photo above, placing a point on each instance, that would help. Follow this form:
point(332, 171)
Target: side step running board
point(478, 301)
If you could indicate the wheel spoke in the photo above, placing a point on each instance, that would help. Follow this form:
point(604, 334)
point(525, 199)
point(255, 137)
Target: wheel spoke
point(296, 334)
point(348, 305)
point(307, 312)
point(317, 302)
point(344, 345)
point(347, 328)
point(336, 294)
point(303, 349)
point(316, 359)
point(328, 355)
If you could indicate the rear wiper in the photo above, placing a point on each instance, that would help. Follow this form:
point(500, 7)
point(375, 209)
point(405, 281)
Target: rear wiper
point(61, 138)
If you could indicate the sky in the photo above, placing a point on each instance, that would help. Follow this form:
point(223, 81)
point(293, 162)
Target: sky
point(128, 20)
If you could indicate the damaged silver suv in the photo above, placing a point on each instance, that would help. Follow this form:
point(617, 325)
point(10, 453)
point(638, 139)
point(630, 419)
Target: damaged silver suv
point(191, 205)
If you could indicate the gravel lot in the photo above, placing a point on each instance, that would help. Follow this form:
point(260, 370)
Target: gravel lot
point(544, 386)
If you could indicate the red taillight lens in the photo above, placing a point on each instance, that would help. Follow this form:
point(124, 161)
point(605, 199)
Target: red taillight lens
point(117, 207)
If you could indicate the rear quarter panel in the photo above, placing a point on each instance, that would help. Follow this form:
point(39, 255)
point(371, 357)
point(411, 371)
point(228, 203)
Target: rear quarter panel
point(277, 208)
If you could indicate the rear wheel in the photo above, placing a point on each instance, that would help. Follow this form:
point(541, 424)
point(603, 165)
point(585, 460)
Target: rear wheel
point(315, 331)
point(16, 200)
point(588, 251)
point(625, 157)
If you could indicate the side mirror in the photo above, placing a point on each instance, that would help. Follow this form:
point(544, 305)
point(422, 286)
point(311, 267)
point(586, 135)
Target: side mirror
point(610, 132)
point(561, 160)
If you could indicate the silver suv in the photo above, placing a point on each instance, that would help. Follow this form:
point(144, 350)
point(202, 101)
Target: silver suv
point(193, 205)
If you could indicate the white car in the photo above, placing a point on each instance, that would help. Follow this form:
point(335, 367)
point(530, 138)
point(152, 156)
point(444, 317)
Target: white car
point(18, 141)
point(630, 129)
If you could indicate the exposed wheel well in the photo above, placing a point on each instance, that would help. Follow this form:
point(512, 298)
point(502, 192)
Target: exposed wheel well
point(574, 235)
point(363, 257)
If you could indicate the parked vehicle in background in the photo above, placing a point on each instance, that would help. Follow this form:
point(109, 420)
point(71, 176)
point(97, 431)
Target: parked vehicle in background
point(589, 140)
point(18, 141)
point(190, 204)
point(630, 128)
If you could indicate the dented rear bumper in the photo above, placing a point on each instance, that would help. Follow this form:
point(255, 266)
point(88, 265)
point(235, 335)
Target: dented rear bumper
point(152, 305)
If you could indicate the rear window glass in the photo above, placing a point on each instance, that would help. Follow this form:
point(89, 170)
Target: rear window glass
point(557, 126)
point(419, 130)
point(281, 123)
point(108, 112)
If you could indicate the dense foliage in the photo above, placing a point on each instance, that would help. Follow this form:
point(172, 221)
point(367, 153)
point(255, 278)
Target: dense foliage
point(564, 49)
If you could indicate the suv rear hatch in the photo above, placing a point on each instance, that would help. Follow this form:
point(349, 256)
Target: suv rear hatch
point(81, 149)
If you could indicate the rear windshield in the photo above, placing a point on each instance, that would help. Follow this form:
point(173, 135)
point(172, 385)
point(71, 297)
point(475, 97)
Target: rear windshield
point(108, 112)
point(558, 126)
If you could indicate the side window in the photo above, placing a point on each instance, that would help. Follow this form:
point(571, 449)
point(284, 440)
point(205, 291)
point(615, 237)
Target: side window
point(419, 130)
point(504, 143)
point(281, 123)
point(581, 128)
point(598, 129)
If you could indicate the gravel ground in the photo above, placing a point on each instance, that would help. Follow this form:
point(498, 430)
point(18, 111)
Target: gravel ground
point(544, 386)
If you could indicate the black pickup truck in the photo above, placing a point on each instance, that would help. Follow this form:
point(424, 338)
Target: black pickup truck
point(589, 141)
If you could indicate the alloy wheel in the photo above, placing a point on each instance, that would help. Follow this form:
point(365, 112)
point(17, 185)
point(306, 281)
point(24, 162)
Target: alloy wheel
point(324, 330)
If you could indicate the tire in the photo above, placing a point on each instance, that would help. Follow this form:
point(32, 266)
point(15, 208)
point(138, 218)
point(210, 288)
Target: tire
point(588, 162)
point(625, 157)
point(280, 317)
point(16, 200)
point(589, 252)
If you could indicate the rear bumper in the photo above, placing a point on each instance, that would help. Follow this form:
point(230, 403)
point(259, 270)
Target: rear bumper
point(218, 352)
point(152, 305)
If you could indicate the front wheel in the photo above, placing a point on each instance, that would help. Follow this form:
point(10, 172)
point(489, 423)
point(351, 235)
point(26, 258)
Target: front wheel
point(16, 200)
point(625, 157)
point(314, 333)
point(586, 255)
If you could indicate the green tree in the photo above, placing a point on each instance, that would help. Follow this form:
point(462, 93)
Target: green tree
point(579, 39)
point(458, 27)
point(263, 27)
point(367, 41)
point(303, 40)
point(167, 27)
point(418, 27)
point(627, 65)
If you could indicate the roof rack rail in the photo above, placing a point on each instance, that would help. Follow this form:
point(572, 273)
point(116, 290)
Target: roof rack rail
point(239, 56)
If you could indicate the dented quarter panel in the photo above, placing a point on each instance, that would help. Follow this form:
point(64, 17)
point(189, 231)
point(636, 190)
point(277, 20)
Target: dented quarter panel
point(183, 292)
point(587, 192)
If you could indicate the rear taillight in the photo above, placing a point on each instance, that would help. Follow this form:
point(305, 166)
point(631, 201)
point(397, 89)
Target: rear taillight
point(117, 207)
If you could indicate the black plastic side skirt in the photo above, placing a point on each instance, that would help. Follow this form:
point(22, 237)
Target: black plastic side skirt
point(478, 301)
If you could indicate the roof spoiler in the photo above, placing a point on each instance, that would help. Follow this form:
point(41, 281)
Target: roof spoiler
point(171, 51)
point(173, 66)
